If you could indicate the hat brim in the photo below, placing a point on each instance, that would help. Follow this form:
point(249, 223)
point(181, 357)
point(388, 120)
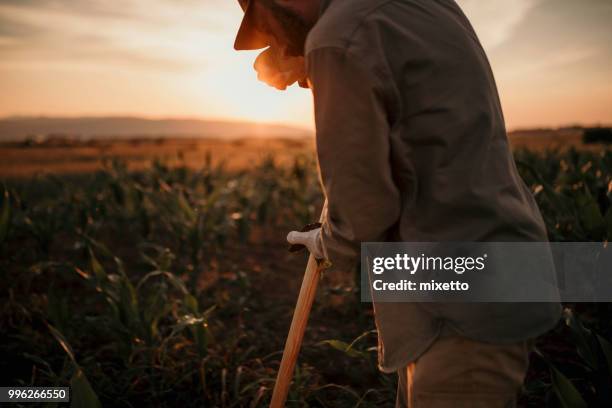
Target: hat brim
point(248, 37)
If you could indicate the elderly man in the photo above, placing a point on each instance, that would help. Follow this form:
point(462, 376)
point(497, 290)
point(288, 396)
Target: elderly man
point(411, 145)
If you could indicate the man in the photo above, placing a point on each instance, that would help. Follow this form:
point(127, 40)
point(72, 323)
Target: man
point(412, 146)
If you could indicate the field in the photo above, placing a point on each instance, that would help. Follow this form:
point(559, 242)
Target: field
point(62, 155)
point(167, 282)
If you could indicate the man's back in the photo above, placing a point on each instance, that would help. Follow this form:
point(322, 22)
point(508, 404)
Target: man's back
point(412, 147)
point(450, 155)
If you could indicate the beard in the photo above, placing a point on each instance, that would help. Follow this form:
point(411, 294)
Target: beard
point(295, 28)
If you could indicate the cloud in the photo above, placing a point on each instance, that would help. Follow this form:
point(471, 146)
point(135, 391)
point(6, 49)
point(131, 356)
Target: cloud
point(556, 34)
point(160, 57)
point(495, 20)
point(555, 63)
point(149, 34)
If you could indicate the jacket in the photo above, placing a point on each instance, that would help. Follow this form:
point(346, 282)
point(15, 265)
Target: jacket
point(412, 146)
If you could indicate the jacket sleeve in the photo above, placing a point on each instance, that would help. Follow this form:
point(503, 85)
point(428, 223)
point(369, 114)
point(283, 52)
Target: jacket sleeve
point(353, 150)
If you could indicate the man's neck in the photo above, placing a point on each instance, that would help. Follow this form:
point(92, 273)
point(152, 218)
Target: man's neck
point(323, 4)
point(314, 11)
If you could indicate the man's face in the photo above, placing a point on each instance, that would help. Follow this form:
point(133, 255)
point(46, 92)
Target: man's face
point(285, 27)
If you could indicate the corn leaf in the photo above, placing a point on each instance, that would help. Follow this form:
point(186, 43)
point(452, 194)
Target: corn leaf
point(83, 395)
point(582, 337)
point(606, 348)
point(568, 395)
point(344, 347)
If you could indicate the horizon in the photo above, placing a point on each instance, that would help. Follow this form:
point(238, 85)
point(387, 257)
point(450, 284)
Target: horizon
point(295, 130)
point(150, 118)
point(234, 120)
point(552, 60)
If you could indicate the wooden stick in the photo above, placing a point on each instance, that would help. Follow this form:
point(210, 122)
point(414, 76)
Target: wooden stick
point(296, 331)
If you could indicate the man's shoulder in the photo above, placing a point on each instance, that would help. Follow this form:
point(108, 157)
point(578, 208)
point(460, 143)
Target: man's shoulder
point(339, 22)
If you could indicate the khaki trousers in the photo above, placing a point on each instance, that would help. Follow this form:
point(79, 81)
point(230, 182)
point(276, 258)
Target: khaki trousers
point(458, 372)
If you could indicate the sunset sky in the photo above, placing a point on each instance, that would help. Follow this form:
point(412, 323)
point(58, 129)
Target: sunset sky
point(552, 60)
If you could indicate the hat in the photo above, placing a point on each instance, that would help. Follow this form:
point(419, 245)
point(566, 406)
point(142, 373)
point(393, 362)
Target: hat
point(248, 37)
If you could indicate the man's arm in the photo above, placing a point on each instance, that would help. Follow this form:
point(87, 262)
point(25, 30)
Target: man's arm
point(353, 149)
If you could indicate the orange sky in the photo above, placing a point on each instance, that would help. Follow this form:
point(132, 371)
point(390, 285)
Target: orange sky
point(552, 60)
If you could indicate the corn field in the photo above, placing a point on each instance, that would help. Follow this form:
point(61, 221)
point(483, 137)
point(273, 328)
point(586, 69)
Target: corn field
point(173, 287)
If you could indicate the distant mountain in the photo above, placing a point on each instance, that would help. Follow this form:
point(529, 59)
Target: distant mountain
point(22, 128)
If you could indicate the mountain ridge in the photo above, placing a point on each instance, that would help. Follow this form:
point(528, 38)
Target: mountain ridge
point(17, 128)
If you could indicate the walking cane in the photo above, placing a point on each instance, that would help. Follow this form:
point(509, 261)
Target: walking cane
point(296, 330)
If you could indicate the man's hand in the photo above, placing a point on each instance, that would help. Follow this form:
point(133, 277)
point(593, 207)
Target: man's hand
point(310, 239)
point(279, 71)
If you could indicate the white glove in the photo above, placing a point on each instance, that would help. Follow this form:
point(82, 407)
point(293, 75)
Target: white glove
point(310, 239)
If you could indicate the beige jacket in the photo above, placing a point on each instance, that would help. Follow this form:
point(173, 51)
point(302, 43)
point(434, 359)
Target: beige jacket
point(412, 146)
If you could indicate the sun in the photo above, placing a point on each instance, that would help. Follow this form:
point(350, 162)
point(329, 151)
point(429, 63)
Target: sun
point(239, 94)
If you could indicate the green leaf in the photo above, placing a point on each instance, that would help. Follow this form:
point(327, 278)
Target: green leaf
point(566, 392)
point(103, 249)
point(96, 267)
point(362, 336)
point(83, 395)
point(191, 303)
point(345, 348)
point(583, 339)
point(129, 303)
point(155, 306)
point(184, 205)
point(64, 343)
point(590, 215)
point(606, 348)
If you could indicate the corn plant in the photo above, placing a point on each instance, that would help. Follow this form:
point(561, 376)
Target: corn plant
point(110, 265)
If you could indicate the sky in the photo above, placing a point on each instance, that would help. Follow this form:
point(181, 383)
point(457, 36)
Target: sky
point(174, 58)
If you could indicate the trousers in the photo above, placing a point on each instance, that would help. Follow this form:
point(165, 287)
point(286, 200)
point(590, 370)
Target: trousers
point(459, 372)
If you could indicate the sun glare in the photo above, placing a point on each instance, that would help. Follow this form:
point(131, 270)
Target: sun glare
point(241, 95)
